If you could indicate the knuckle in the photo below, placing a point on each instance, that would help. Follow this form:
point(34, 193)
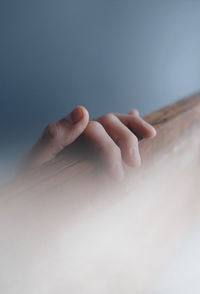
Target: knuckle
point(92, 126)
point(107, 118)
point(129, 139)
point(134, 111)
point(51, 131)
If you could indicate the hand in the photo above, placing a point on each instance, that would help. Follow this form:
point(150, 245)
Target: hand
point(115, 136)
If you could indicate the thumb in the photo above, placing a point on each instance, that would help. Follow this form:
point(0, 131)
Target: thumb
point(55, 137)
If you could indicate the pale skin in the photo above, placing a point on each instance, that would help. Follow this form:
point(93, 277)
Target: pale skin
point(114, 136)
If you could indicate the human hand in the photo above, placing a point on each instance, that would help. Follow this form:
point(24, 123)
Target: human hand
point(114, 136)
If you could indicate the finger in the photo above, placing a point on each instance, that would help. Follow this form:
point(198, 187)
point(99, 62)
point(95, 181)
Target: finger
point(138, 125)
point(56, 136)
point(110, 152)
point(134, 112)
point(126, 140)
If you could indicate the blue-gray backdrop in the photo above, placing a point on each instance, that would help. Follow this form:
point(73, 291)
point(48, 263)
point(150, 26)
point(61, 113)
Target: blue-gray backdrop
point(109, 55)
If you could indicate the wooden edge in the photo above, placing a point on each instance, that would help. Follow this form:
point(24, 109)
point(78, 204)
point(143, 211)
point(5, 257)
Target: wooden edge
point(171, 122)
point(162, 116)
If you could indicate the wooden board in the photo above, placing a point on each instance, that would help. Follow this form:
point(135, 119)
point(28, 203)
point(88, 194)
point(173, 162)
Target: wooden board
point(67, 228)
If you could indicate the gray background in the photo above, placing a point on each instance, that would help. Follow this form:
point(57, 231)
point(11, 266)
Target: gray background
point(109, 55)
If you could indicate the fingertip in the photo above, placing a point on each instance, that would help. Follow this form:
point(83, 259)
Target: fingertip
point(84, 110)
point(85, 113)
point(149, 130)
point(134, 112)
point(152, 132)
point(78, 115)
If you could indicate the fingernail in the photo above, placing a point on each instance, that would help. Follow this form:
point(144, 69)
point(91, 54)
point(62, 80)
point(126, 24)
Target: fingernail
point(135, 156)
point(118, 172)
point(74, 116)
